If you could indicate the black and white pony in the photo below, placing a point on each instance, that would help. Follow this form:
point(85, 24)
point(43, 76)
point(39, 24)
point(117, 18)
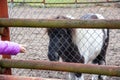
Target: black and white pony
point(78, 45)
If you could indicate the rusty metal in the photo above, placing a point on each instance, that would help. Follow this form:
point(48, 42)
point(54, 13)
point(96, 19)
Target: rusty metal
point(48, 23)
point(1, 31)
point(12, 77)
point(61, 66)
point(5, 33)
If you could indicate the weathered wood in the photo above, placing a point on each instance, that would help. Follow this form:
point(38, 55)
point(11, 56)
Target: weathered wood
point(47, 23)
point(61, 66)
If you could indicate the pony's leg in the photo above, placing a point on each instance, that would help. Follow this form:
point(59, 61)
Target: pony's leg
point(98, 77)
point(80, 78)
point(101, 77)
point(100, 60)
point(94, 77)
point(72, 76)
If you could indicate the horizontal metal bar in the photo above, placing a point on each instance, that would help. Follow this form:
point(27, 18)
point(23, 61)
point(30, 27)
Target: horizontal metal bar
point(53, 23)
point(12, 77)
point(61, 66)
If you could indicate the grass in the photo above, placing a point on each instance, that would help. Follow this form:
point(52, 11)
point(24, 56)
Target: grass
point(54, 3)
point(39, 4)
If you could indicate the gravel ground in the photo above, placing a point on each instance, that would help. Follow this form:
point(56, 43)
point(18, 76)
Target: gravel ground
point(37, 40)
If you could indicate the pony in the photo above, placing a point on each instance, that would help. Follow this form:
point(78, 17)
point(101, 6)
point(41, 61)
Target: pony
point(79, 45)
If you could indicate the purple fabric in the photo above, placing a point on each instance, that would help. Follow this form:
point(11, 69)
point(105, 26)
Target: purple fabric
point(9, 48)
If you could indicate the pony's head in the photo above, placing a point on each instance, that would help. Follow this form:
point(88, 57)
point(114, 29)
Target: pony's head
point(59, 39)
point(61, 44)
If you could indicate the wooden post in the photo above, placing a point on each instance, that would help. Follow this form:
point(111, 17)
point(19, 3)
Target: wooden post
point(75, 3)
point(43, 1)
point(6, 36)
point(43, 4)
point(11, 1)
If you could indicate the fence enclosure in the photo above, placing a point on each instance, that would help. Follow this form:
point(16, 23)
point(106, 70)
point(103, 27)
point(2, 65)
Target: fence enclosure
point(71, 2)
point(24, 28)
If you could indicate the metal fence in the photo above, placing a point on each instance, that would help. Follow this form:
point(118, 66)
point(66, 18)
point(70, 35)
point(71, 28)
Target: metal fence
point(54, 2)
point(37, 40)
point(60, 3)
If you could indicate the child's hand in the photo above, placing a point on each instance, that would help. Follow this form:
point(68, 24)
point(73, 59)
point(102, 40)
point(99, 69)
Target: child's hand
point(22, 48)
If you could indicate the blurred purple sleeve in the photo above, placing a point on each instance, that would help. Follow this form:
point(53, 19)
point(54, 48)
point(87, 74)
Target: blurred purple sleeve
point(9, 48)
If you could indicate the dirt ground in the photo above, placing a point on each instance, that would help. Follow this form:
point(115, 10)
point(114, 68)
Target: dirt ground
point(36, 39)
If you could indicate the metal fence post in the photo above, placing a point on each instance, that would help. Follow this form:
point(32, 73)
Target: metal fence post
point(6, 36)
